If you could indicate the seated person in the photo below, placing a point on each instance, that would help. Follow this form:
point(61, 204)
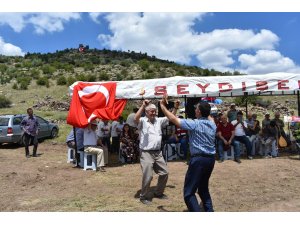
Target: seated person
point(79, 143)
point(226, 133)
point(240, 133)
point(90, 144)
point(268, 141)
point(253, 130)
point(280, 126)
point(79, 139)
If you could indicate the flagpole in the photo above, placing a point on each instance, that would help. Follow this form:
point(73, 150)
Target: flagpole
point(76, 152)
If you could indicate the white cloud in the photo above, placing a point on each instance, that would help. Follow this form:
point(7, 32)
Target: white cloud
point(266, 61)
point(42, 22)
point(217, 59)
point(9, 49)
point(172, 36)
point(163, 35)
point(95, 16)
point(14, 20)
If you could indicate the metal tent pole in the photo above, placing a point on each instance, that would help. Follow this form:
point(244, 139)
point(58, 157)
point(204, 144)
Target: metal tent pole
point(76, 151)
point(246, 94)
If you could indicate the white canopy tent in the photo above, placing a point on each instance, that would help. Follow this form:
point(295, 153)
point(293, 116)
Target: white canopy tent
point(212, 86)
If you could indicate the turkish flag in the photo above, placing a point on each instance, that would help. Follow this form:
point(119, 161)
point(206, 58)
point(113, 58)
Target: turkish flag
point(94, 100)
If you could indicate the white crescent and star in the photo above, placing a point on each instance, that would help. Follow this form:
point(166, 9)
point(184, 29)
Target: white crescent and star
point(93, 89)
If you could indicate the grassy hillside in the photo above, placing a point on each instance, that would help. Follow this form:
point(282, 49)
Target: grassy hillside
point(30, 79)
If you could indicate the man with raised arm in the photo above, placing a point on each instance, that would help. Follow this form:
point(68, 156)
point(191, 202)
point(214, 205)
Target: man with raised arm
point(202, 133)
point(151, 158)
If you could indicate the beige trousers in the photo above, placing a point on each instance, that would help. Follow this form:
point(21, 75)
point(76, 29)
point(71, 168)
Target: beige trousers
point(99, 152)
point(153, 161)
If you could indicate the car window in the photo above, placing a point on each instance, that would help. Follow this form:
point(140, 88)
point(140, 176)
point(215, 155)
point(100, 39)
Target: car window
point(17, 120)
point(41, 121)
point(4, 121)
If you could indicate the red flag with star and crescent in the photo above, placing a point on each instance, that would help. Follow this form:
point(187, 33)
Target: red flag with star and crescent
point(94, 100)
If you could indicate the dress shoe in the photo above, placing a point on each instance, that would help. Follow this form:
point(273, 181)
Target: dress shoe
point(162, 196)
point(101, 169)
point(237, 160)
point(145, 201)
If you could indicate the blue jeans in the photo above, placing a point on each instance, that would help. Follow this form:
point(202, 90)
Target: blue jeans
point(183, 146)
point(197, 179)
point(236, 147)
point(245, 140)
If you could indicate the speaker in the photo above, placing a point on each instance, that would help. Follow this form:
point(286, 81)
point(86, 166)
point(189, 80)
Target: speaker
point(169, 106)
point(189, 108)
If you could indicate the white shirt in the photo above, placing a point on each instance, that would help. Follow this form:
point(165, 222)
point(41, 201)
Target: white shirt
point(105, 133)
point(99, 131)
point(89, 137)
point(114, 126)
point(151, 133)
point(130, 120)
point(239, 131)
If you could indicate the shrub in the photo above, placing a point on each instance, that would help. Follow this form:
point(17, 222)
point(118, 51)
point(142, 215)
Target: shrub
point(15, 86)
point(35, 73)
point(70, 80)
point(61, 81)
point(144, 64)
point(103, 76)
point(48, 69)
point(91, 78)
point(23, 85)
point(4, 102)
point(81, 77)
point(43, 81)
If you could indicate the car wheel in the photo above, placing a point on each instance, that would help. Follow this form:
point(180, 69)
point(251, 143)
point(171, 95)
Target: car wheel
point(54, 132)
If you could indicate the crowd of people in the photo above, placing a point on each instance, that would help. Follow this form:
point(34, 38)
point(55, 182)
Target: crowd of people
point(142, 136)
point(259, 139)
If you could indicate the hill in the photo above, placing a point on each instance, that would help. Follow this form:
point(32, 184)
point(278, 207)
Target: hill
point(69, 65)
point(41, 80)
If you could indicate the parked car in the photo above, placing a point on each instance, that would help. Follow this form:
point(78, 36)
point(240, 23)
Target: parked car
point(11, 131)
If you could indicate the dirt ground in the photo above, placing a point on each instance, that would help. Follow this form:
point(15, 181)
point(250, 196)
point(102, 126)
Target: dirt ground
point(49, 184)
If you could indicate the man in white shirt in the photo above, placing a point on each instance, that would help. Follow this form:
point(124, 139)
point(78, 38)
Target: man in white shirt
point(104, 131)
point(151, 158)
point(90, 144)
point(240, 133)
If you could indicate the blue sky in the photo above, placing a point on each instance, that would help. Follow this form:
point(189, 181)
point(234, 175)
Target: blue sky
point(254, 43)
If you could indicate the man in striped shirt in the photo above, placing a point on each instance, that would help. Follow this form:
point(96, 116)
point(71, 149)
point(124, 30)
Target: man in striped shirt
point(202, 133)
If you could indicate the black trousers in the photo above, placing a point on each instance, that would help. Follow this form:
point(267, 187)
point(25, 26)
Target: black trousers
point(29, 139)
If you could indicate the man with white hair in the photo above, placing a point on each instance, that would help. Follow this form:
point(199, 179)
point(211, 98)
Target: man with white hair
point(151, 158)
point(90, 142)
